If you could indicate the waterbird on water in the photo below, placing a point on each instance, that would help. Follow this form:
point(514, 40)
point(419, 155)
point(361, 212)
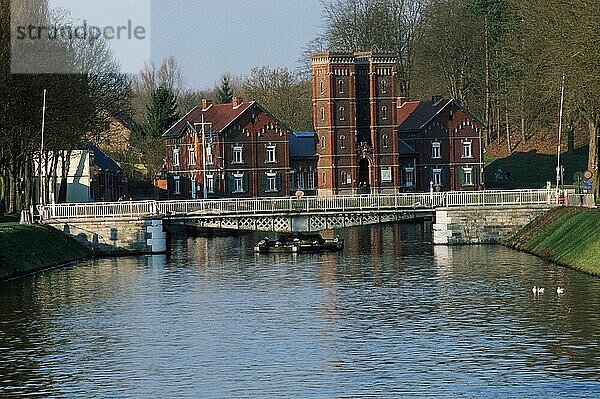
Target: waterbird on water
point(537, 290)
point(560, 290)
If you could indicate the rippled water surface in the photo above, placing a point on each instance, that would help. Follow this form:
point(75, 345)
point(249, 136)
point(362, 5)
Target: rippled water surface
point(390, 316)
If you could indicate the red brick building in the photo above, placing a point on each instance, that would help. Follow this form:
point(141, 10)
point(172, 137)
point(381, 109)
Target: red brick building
point(227, 150)
point(354, 103)
point(440, 144)
point(370, 141)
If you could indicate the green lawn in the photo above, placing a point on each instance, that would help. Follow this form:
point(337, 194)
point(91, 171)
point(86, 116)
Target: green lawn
point(569, 236)
point(533, 170)
point(29, 248)
point(9, 218)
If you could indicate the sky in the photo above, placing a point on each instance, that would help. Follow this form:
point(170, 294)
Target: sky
point(208, 38)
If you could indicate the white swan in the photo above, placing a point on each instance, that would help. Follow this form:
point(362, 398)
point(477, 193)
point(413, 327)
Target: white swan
point(560, 290)
point(540, 290)
point(534, 290)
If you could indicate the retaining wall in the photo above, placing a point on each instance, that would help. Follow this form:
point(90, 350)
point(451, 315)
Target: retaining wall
point(482, 225)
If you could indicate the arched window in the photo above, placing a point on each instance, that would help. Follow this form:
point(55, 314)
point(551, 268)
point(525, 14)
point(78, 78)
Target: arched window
point(342, 141)
point(384, 86)
point(384, 113)
point(342, 113)
point(322, 113)
point(322, 142)
point(341, 86)
point(322, 87)
point(384, 141)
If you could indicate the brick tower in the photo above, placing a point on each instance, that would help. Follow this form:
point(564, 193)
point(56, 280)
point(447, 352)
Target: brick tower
point(354, 108)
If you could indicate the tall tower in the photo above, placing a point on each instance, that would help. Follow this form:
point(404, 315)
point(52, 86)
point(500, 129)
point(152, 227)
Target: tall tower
point(354, 104)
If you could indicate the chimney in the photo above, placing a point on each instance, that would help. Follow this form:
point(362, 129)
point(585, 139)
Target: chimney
point(236, 101)
point(206, 103)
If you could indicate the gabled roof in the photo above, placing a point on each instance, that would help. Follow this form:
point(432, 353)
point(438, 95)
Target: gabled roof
point(303, 145)
point(101, 160)
point(219, 115)
point(415, 115)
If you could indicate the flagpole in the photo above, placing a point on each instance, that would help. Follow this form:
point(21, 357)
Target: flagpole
point(205, 189)
point(42, 151)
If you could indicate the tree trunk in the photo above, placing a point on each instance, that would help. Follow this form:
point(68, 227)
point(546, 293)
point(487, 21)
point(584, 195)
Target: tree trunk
point(508, 143)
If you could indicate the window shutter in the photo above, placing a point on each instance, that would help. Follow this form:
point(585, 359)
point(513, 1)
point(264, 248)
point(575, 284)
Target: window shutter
point(230, 184)
point(265, 182)
point(246, 182)
point(462, 176)
point(278, 181)
point(474, 176)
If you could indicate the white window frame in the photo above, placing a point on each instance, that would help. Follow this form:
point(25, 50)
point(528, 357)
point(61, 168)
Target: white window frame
point(238, 179)
point(177, 183)
point(386, 174)
point(311, 179)
point(342, 112)
point(409, 172)
point(191, 156)
point(436, 150)
point(209, 155)
point(210, 184)
point(384, 113)
point(271, 154)
point(272, 182)
point(238, 154)
point(467, 150)
point(468, 172)
point(437, 176)
point(176, 157)
point(300, 179)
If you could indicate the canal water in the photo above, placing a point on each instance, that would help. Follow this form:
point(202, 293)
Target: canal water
point(390, 316)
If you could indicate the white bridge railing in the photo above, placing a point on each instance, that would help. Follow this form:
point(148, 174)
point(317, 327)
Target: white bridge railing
point(293, 205)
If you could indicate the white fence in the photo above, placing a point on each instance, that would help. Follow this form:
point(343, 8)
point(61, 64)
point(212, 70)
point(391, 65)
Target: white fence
point(294, 205)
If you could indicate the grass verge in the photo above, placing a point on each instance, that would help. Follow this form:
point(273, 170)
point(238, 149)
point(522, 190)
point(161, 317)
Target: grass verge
point(25, 249)
point(568, 236)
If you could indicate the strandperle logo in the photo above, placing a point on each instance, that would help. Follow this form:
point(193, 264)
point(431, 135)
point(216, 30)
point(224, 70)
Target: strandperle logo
point(85, 31)
point(80, 36)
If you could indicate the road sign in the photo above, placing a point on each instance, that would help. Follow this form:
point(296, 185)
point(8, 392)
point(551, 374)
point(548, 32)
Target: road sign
point(587, 175)
point(587, 185)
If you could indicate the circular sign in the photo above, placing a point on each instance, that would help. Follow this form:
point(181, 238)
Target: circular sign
point(299, 194)
point(587, 175)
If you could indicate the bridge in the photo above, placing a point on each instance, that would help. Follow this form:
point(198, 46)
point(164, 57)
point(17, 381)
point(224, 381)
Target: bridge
point(139, 226)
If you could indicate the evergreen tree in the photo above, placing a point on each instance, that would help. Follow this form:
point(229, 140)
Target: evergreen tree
point(161, 112)
point(224, 92)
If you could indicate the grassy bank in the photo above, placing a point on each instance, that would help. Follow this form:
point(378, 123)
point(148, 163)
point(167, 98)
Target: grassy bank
point(568, 236)
point(25, 249)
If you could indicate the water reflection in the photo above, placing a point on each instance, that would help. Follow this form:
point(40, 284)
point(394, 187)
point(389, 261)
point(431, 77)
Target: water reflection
point(391, 315)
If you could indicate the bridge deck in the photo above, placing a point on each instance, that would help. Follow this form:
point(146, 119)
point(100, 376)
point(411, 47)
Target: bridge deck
point(293, 206)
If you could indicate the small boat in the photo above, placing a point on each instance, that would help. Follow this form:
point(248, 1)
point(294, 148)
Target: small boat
point(294, 243)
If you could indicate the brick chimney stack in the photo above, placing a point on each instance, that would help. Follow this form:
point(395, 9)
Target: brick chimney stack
point(236, 101)
point(206, 103)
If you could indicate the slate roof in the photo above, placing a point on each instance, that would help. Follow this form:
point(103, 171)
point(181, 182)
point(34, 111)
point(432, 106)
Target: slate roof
point(302, 145)
point(414, 115)
point(220, 115)
point(101, 160)
point(405, 149)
